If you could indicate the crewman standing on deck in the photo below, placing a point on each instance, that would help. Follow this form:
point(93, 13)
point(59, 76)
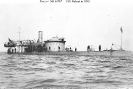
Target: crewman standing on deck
point(99, 47)
point(12, 50)
point(75, 49)
point(88, 48)
point(15, 50)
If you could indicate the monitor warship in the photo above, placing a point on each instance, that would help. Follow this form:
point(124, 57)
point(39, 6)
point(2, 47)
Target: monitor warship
point(56, 46)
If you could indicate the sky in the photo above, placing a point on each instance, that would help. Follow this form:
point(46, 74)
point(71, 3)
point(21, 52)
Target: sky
point(97, 22)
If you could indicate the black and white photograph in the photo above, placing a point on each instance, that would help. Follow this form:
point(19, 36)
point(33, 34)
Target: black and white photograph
point(66, 44)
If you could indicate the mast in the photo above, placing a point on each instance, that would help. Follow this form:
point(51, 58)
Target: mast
point(121, 36)
point(19, 40)
point(19, 34)
point(121, 40)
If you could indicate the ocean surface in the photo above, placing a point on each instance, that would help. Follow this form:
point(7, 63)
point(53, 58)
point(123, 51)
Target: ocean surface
point(65, 72)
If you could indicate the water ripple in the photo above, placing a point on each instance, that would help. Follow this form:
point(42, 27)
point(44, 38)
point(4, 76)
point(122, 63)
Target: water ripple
point(61, 71)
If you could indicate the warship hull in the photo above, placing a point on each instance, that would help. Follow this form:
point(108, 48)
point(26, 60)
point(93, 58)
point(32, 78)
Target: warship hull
point(81, 53)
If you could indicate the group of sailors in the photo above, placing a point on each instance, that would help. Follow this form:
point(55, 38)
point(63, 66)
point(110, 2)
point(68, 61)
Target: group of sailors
point(11, 50)
point(67, 49)
point(70, 49)
point(89, 48)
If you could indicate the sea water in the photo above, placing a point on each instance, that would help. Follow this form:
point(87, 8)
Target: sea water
point(65, 72)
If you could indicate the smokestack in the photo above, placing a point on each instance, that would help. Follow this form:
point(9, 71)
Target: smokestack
point(40, 36)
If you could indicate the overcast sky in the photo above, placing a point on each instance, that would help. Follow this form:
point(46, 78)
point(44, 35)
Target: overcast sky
point(81, 24)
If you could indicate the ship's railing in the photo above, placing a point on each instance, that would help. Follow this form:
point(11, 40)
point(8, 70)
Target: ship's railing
point(25, 42)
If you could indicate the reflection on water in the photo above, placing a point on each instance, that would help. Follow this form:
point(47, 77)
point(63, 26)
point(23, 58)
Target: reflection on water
point(65, 72)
